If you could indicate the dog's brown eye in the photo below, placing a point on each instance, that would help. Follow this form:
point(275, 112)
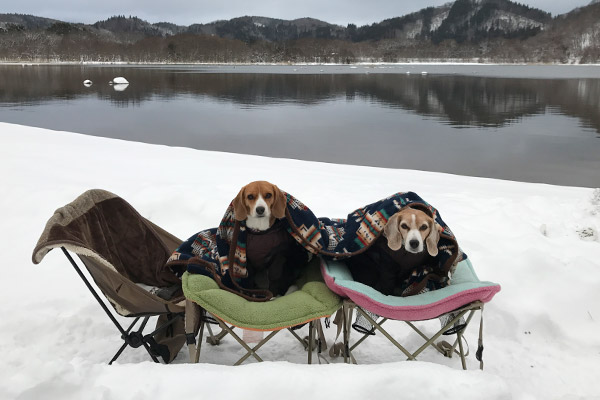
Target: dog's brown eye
point(250, 197)
point(423, 227)
point(404, 226)
point(268, 196)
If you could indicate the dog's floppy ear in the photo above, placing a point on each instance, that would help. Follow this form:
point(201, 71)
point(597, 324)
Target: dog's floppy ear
point(433, 239)
point(392, 233)
point(279, 203)
point(239, 207)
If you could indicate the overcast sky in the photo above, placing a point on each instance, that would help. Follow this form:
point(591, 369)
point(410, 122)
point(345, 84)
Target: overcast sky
point(187, 12)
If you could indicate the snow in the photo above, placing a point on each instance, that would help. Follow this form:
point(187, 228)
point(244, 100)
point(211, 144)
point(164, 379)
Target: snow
point(437, 20)
point(541, 331)
point(120, 80)
point(510, 21)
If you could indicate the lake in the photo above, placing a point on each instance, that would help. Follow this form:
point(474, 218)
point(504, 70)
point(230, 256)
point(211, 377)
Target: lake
point(522, 123)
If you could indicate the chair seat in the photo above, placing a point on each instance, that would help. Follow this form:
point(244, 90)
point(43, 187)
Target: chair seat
point(312, 301)
point(465, 288)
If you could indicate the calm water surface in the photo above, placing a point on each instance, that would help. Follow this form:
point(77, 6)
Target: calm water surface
point(524, 123)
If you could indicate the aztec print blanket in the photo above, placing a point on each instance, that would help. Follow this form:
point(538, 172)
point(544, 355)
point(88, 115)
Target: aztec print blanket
point(220, 253)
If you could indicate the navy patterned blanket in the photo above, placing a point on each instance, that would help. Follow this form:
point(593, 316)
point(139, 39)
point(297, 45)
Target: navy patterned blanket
point(221, 252)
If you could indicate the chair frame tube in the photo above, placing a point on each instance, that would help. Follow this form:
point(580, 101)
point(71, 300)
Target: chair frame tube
point(196, 316)
point(133, 339)
point(349, 305)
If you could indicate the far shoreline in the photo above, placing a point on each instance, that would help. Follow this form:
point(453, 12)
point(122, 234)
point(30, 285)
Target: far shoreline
point(415, 67)
point(291, 64)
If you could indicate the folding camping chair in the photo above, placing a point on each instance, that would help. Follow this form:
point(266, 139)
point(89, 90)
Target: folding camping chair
point(207, 303)
point(454, 304)
point(121, 249)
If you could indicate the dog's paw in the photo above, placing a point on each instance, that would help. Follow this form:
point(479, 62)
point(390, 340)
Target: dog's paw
point(291, 289)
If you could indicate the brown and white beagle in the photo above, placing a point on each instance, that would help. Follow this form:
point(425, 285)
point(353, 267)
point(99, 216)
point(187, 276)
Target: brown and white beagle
point(388, 263)
point(274, 259)
point(414, 230)
point(259, 203)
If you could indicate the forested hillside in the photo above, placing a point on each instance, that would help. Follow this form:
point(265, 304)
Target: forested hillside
point(465, 30)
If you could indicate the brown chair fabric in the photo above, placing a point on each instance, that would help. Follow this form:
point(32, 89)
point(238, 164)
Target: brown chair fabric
point(104, 226)
point(119, 248)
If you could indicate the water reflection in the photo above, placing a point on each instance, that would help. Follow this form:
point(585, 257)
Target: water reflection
point(536, 130)
point(459, 101)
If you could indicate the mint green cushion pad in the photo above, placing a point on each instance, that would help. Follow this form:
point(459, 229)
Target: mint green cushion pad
point(312, 301)
point(465, 287)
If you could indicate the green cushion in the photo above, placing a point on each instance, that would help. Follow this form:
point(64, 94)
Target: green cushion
point(312, 301)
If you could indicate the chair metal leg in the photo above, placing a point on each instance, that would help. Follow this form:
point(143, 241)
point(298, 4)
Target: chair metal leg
point(310, 341)
point(118, 353)
point(347, 347)
point(366, 335)
point(193, 313)
point(91, 289)
point(385, 333)
point(344, 332)
point(135, 339)
point(429, 341)
point(198, 346)
point(462, 353)
point(321, 341)
point(437, 335)
point(304, 343)
point(252, 351)
point(213, 339)
point(150, 352)
point(479, 353)
point(309, 345)
point(444, 347)
point(347, 310)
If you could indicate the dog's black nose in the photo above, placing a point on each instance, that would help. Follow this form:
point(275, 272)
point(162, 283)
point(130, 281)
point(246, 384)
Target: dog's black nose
point(260, 210)
point(414, 243)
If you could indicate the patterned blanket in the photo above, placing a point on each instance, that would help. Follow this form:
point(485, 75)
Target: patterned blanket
point(221, 252)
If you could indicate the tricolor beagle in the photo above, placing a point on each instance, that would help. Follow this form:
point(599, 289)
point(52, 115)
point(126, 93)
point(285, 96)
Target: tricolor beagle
point(388, 263)
point(274, 258)
point(259, 203)
point(412, 229)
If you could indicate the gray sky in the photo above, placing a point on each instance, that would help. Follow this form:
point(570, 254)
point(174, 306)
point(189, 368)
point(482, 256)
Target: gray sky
point(187, 12)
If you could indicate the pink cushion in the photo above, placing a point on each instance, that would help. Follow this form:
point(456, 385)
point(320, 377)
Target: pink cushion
point(464, 288)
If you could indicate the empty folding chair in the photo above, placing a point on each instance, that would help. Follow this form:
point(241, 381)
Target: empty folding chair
point(124, 254)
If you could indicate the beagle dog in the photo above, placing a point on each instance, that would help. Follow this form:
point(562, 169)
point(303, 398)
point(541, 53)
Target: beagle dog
point(388, 263)
point(274, 258)
point(260, 203)
point(414, 230)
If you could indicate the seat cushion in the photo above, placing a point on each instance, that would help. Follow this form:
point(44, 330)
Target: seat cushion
point(465, 287)
point(312, 301)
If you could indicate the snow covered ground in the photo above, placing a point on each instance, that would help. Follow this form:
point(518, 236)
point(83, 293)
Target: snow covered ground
point(540, 242)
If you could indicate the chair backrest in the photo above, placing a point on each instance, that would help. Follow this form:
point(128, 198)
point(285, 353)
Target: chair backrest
point(119, 248)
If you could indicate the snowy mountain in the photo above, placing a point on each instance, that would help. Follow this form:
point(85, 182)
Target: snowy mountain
point(24, 22)
point(472, 20)
point(462, 20)
point(484, 30)
point(254, 28)
point(574, 36)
